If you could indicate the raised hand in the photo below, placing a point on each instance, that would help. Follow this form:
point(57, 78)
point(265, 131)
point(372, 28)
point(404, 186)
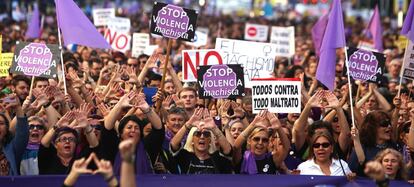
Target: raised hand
point(208, 120)
point(238, 110)
point(195, 118)
point(141, 103)
point(354, 133)
point(66, 119)
point(104, 167)
point(103, 109)
point(375, 170)
point(11, 101)
point(178, 102)
point(332, 100)
point(80, 166)
point(259, 118)
point(127, 149)
point(166, 102)
point(274, 121)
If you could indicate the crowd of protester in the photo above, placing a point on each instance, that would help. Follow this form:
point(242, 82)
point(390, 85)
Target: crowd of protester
point(105, 124)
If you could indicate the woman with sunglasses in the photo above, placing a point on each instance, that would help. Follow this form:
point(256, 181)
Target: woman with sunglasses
point(375, 136)
point(37, 129)
point(322, 160)
point(199, 154)
point(257, 159)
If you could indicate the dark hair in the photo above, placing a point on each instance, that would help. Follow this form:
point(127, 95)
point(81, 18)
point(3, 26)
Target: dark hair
point(187, 89)
point(133, 118)
point(291, 72)
point(95, 60)
point(368, 133)
point(8, 137)
point(320, 124)
point(178, 111)
point(37, 79)
point(16, 79)
point(64, 130)
point(327, 136)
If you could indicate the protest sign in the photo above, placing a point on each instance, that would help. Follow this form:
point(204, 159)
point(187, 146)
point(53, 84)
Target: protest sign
point(408, 71)
point(256, 58)
point(220, 81)
point(200, 37)
point(36, 59)
point(139, 42)
point(101, 16)
point(173, 21)
point(278, 95)
point(192, 59)
point(119, 24)
point(150, 49)
point(365, 65)
point(284, 39)
point(367, 45)
point(5, 63)
point(120, 41)
point(256, 32)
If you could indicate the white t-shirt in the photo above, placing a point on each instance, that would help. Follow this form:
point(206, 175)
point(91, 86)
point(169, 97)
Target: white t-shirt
point(309, 167)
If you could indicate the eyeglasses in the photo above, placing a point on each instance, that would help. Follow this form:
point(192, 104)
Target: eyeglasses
point(38, 127)
point(206, 134)
point(97, 127)
point(385, 123)
point(258, 139)
point(324, 145)
point(66, 139)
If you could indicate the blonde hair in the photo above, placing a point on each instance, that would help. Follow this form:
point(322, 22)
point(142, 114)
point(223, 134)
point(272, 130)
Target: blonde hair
point(402, 170)
point(189, 142)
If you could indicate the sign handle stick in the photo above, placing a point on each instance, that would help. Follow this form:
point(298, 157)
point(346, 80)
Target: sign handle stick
point(349, 88)
point(164, 74)
point(402, 69)
point(61, 55)
point(31, 87)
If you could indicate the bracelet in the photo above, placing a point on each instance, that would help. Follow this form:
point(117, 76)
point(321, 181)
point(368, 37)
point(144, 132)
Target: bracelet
point(55, 127)
point(129, 160)
point(186, 127)
point(89, 131)
point(110, 178)
point(47, 104)
point(146, 112)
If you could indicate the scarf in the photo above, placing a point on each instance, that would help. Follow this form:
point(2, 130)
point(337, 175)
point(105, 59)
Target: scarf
point(249, 162)
point(32, 146)
point(142, 162)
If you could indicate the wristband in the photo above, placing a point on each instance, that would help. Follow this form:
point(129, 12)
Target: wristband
point(146, 112)
point(89, 131)
point(186, 127)
point(110, 178)
point(129, 160)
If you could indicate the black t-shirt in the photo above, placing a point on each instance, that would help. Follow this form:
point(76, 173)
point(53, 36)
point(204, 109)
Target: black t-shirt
point(266, 166)
point(190, 164)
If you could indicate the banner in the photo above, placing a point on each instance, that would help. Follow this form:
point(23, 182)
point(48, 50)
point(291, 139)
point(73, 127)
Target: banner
point(220, 81)
point(200, 37)
point(101, 16)
point(120, 41)
point(408, 69)
point(366, 45)
point(5, 63)
point(35, 59)
point(119, 24)
point(365, 65)
point(192, 59)
point(139, 42)
point(256, 58)
point(278, 95)
point(173, 21)
point(284, 39)
point(256, 32)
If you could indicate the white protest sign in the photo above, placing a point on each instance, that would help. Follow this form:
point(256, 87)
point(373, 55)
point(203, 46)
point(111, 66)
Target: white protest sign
point(200, 37)
point(408, 71)
point(284, 38)
point(150, 49)
point(191, 59)
point(276, 95)
point(120, 41)
point(257, 59)
point(369, 46)
point(101, 16)
point(139, 42)
point(119, 24)
point(256, 32)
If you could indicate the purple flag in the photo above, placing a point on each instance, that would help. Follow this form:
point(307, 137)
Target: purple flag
point(374, 27)
point(76, 27)
point(318, 30)
point(33, 28)
point(407, 28)
point(333, 38)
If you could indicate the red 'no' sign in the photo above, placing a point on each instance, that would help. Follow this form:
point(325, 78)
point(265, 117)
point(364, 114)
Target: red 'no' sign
point(252, 31)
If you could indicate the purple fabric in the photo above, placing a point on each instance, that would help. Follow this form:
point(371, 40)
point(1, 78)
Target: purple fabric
point(333, 38)
point(76, 27)
point(374, 27)
point(407, 28)
point(32, 146)
point(33, 28)
point(249, 162)
point(142, 162)
point(318, 30)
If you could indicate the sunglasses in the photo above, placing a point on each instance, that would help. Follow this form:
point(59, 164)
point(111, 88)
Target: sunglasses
point(258, 139)
point(206, 134)
point(324, 145)
point(97, 127)
point(385, 123)
point(335, 119)
point(66, 139)
point(38, 127)
point(134, 65)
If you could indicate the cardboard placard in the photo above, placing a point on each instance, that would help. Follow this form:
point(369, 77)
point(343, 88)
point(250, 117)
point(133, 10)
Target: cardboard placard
point(257, 59)
point(200, 37)
point(101, 16)
point(173, 21)
point(408, 71)
point(119, 24)
point(284, 39)
point(5, 63)
point(256, 32)
point(139, 42)
point(36, 59)
point(220, 81)
point(276, 95)
point(192, 59)
point(365, 65)
point(120, 41)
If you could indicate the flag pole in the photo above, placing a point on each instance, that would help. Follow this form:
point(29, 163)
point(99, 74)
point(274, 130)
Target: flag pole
point(31, 87)
point(164, 74)
point(349, 88)
point(61, 52)
point(402, 69)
